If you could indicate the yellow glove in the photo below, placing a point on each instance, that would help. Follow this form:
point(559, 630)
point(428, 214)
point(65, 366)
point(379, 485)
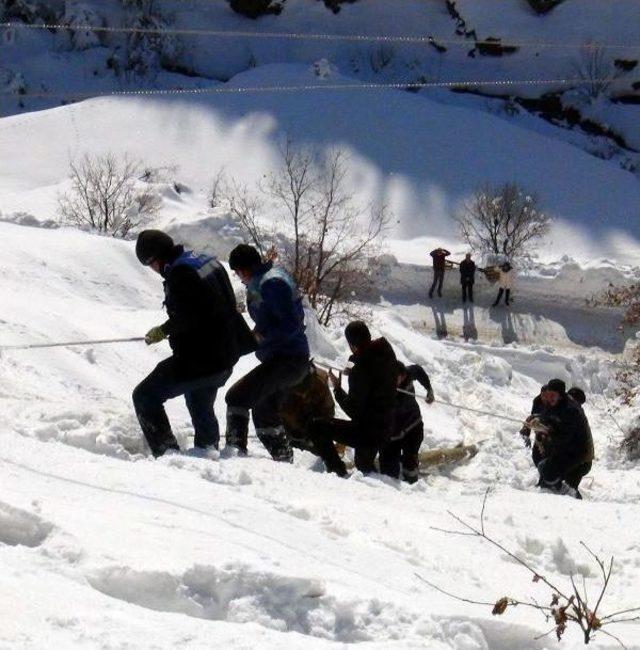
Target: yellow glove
point(155, 335)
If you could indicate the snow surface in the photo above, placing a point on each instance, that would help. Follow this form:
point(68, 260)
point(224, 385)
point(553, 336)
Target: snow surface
point(101, 546)
point(425, 160)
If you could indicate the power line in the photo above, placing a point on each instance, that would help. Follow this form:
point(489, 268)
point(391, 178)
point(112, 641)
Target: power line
point(240, 90)
point(381, 38)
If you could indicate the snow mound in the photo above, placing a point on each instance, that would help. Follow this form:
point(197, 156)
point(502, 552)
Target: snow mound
point(21, 528)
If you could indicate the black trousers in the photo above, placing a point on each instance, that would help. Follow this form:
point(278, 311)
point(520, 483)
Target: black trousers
point(559, 467)
point(507, 296)
point(324, 431)
point(165, 383)
point(402, 454)
point(261, 391)
point(438, 278)
point(467, 291)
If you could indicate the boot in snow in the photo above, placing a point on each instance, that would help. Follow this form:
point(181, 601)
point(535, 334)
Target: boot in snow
point(237, 431)
point(276, 443)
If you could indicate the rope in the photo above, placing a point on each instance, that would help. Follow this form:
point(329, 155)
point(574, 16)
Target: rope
point(381, 38)
point(66, 344)
point(436, 401)
point(238, 90)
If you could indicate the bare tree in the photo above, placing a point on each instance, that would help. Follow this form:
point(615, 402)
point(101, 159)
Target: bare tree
point(104, 196)
point(328, 239)
point(568, 605)
point(217, 189)
point(245, 208)
point(503, 220)
point(595, 69)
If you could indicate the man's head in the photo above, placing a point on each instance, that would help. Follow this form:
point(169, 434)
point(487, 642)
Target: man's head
point(244, 260)
point(468, 257)
point(358, 335)
point(554, 391)
point(153, 249)
point(577, 394)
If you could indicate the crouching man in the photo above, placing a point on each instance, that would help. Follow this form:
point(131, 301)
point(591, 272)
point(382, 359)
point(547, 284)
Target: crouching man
point(206, 333)
point(402, 450)
point(567, 446)
point(370, 404)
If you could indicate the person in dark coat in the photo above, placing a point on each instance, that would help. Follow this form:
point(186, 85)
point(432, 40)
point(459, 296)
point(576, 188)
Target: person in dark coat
point(206, 333)
point(467, 277)
point(370, 403)
point(401, 453)
point(275, 305)
point(568, 445)
point(439, 256)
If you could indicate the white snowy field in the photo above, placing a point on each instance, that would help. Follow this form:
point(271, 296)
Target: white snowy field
point(421, 156)
point(103, 547)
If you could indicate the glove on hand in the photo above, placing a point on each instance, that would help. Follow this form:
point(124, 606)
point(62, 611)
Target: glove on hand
point(155, 335)
point(429, 399)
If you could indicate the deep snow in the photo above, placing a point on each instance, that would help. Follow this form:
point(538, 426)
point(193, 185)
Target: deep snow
point(100, 546)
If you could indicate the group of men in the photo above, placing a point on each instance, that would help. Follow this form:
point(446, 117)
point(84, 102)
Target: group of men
point(563, 446)
point(288, 397)
point(468, 277)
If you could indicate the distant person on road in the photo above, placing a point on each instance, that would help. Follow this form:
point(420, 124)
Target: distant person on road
point(467, 277)
point(206, 333)
point(505, 284)
point(439, 256)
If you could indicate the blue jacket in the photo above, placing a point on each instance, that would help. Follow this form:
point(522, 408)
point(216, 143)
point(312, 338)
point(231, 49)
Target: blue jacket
point(275, 306)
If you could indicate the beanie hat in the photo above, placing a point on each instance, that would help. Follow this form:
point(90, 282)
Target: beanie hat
point(244, 256)
point(577, 394)
point(153, 245)
point(557, 386)
point(357, 333)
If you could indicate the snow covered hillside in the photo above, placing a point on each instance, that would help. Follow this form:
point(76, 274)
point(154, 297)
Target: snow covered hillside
point(100, 546)
point(103, 547)
point(430, 150)
point(425, 158)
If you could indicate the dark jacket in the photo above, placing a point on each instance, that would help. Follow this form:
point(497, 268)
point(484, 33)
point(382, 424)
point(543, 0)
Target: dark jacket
point(407, 409)
point(570, 432)
point(371, 400)
point(467, 271)
point(206, 332)
point(439, 258)
point(275, 306)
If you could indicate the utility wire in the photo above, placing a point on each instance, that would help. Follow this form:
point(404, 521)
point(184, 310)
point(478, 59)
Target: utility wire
point(382, 38)
point(240, 90)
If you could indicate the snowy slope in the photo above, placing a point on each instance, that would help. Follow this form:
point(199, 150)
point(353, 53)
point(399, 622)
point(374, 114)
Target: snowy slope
point(101, 546)
point(425, 157)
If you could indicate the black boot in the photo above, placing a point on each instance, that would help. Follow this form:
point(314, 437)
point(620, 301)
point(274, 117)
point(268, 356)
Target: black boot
point(276, 443)
point(507, 297)
point(237, 429)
